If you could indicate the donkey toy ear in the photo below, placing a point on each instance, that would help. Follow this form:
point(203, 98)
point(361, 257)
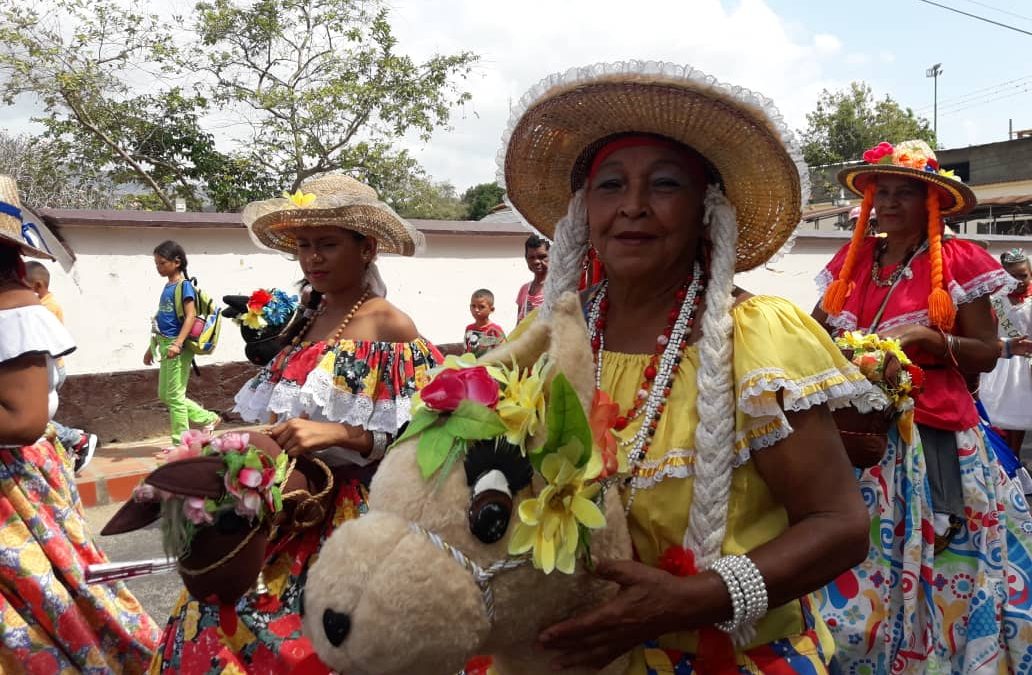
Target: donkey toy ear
point(191, 477)
point(132, 516)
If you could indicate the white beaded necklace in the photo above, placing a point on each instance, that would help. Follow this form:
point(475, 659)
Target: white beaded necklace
point(655, 397)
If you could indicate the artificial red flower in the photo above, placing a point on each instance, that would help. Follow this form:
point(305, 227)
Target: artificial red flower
point(917, 378)
point(604, 414)
point(878, 152)
point(258, 300)
point(479, 665)
point(678, 561)
point(451, 387)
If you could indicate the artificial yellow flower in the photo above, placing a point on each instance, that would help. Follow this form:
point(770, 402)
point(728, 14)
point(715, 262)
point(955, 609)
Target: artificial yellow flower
point(949, 173)
point(549, 523)
point(300, 199)
point(253, 320)
point(521, 405)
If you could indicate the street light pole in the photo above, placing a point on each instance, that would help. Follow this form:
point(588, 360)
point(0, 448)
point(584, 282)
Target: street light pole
point(934, 72)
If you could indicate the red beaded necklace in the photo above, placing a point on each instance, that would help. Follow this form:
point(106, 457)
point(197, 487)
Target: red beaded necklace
point(651, 370)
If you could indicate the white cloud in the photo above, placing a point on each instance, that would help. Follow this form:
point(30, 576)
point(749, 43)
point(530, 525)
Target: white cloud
point(826, 45)
point(747, 44)
point(858, 59)
point(885, 56)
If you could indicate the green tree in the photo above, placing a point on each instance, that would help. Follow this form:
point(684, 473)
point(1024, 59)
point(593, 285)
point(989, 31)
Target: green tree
point(846, 123)
point(79, 59)
point(321, 83)
point(45, 180)
point(480, 199)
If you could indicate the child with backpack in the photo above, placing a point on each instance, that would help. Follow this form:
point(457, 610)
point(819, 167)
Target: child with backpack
point(171, 340)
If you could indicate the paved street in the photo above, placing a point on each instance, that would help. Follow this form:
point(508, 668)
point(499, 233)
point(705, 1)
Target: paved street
point(157, 592)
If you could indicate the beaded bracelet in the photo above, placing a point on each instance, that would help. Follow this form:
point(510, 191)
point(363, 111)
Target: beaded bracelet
point(747, 589)
point(738, 609)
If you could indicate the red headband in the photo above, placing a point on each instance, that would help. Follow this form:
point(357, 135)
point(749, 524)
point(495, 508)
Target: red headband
point(632, 141)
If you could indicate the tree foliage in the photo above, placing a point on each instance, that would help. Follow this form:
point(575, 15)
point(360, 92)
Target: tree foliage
point(480, 199)
point(321, 82)
point(45, 180)
point(846, 123)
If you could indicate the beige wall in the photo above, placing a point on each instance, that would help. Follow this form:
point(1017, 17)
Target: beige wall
point(112, 290)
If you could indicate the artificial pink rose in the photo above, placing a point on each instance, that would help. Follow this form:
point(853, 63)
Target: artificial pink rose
point(194, 511)
point(451, 387)
point(231, 442)
point(249, 504)
point(145, 493)
point(878, 152)
point(195, 439)
point(250, 478)
point(181, 452)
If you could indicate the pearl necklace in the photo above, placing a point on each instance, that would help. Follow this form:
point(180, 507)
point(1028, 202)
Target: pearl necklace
point(655, 397)
point(343, 324)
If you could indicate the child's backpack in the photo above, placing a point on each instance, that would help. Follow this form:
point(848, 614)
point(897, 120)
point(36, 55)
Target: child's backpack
point(204, 334)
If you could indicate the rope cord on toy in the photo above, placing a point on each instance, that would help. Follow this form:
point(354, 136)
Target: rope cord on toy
point(481, 576)
point(221, 561)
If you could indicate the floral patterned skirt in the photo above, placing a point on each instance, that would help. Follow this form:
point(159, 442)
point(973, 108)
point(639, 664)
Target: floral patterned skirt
point(261, 633)
point(967, 609)
point(50, 620)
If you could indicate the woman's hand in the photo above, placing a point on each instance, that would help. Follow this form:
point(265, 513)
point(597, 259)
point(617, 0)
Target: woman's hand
point(1021, 346)
point(174, 350)
point(299, 436)
point(148, 357)
point(650, 603)
point(913, 335)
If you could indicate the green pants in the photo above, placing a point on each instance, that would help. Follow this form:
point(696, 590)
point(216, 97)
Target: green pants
point(173, 376)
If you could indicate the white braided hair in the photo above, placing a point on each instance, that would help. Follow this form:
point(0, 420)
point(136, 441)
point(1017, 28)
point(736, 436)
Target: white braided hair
point(715, 433)
point(567, 253)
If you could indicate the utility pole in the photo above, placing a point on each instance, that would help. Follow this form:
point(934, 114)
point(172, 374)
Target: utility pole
point(934, 72)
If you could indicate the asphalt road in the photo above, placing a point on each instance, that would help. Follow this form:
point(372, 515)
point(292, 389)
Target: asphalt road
point(157, 593)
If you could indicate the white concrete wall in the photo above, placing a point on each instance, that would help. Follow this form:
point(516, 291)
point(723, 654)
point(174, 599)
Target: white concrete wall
point(112, 290)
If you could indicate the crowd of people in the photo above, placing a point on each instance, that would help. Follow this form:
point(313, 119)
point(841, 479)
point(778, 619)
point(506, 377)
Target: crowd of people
point(649, 188)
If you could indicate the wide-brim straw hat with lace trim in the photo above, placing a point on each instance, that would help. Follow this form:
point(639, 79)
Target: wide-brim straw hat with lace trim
point(13, 230)
point(558, 125)
point(330, 201)
point(913, 159)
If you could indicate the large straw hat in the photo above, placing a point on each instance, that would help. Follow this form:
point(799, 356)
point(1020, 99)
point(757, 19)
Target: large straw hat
point(914, 159)
point(557, 126)
point(13, 229)
point(333, 200)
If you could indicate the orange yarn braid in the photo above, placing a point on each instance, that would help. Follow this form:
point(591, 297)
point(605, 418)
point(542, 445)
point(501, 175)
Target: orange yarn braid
point(836, 294)
point(941, 310)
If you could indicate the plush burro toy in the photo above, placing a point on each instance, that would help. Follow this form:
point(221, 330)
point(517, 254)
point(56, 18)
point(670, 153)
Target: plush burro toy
point(484, 519)
point(221, 501)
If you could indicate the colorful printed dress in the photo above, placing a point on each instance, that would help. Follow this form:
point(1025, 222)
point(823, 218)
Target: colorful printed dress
point(50, 620)
point(777, 349)
point(367, 384)
point(905, 609)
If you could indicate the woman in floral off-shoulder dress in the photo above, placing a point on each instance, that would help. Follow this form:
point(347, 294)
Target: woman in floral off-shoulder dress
point(341, 389)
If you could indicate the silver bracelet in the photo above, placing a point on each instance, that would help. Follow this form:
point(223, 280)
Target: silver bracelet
point(381, 439)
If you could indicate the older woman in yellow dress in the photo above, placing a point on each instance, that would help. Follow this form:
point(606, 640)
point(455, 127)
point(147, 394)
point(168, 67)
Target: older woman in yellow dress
point(741, 500)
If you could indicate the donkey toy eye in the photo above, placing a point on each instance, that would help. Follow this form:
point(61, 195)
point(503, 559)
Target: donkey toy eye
point(491, 507)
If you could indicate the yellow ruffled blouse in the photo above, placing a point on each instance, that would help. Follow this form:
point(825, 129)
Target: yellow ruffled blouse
point(777, 347)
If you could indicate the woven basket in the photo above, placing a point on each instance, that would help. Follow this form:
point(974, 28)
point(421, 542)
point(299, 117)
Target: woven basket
point(864, 435)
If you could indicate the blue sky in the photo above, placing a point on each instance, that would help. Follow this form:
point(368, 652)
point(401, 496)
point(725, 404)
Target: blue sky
point(976, 57)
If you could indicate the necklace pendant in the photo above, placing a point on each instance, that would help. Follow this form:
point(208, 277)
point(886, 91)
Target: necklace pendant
point(907, 273)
